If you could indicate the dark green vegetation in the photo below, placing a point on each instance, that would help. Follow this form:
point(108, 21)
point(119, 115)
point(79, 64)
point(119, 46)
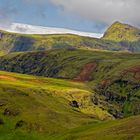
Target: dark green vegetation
point(117, 38)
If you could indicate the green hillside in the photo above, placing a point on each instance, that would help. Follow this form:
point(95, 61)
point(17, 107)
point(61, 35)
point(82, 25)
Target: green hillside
point(118, 37)
point(114, 78)
point(125, 129)
point(30, 106)
point(122, 32)
point(40, 108)
point(11, 42)
point(126, 36)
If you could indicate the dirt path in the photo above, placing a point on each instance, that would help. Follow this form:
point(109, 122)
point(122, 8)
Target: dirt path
point(84, 75)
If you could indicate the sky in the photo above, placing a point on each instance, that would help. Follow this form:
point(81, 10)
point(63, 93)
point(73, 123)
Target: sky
point(82, 15)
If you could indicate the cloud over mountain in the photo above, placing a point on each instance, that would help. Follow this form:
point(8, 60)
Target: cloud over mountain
point(105, 11)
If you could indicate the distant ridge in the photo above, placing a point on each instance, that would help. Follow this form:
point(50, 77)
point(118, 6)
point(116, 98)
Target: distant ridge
point(118, 37)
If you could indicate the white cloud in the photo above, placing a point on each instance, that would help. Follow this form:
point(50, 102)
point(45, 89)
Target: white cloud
point(104, 11)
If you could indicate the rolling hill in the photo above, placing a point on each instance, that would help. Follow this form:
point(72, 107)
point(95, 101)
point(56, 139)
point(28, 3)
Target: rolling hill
point(32, 106)
point(119, 37)
point(11, 42)
point(113, 77)
point(40, 108)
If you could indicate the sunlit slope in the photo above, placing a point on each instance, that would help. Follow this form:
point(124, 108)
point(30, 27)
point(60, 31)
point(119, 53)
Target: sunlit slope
point(126, 36)
point(31, 104)
point(128, 129)
point(39, 108)
point(122, 32)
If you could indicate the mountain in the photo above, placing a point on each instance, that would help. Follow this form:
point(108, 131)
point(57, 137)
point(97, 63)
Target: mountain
point(122, 32)
point(126, 36)
point(31, 29)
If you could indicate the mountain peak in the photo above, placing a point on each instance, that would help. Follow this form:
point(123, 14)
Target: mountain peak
point(117, 23)
point(122, 32)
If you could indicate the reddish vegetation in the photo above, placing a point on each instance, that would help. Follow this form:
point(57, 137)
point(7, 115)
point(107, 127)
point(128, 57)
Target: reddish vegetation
point(105, 83)
point(3, 77)
point(135, 71)
point(84, 75)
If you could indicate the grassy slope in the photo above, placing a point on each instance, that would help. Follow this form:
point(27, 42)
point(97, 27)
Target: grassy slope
point(18, 42)
point(125, 35)
point(2, 53)
point(114, 91)
point(118, 37)
point(43, 104)
point(122, 32)
point(128, 129)
point(67, 63)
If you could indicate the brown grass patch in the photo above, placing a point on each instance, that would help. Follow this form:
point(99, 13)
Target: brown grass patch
point(84, 75)
point(9, 78)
